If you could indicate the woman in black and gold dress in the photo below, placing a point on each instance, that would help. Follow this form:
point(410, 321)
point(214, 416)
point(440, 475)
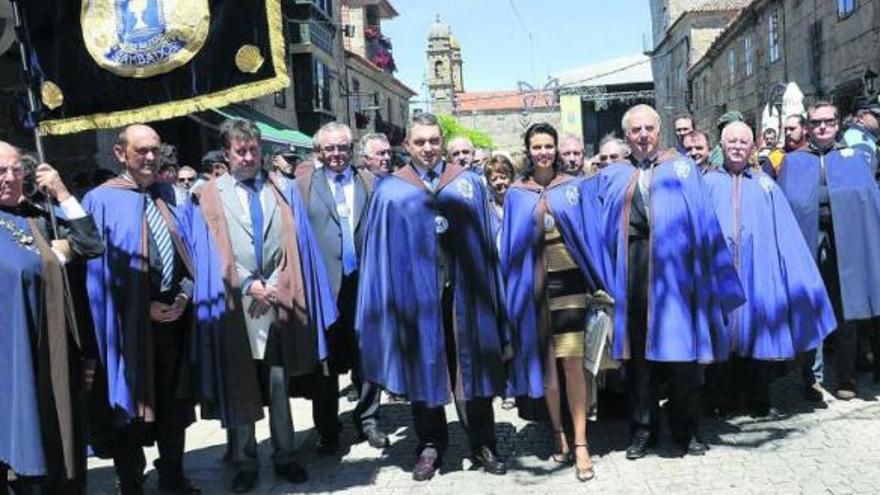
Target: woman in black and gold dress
point(553, 259)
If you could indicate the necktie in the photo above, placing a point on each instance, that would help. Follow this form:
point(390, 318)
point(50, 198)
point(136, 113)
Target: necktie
point(349, 255)
point(256, 210)
point(160, 233)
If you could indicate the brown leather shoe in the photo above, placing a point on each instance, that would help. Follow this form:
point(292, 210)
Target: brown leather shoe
point(427, 465)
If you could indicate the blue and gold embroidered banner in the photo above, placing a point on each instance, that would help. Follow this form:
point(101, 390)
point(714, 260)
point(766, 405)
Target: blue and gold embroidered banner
point(108, 63)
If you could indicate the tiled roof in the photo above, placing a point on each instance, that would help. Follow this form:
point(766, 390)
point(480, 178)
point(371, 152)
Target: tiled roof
point(498, 100)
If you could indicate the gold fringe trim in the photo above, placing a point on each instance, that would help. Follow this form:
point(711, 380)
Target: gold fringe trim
point(199, 103)
point(569, 344)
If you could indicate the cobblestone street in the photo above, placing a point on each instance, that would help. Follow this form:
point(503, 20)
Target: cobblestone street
point(802, 449)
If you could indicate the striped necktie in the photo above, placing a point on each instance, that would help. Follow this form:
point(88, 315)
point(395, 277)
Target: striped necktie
point(160, 233)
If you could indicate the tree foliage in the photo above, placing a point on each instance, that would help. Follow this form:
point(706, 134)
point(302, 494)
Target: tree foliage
point(452, 128)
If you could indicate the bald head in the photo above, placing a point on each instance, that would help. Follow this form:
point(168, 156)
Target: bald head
point(137, 149)
point(738, 143)
point(11, 175)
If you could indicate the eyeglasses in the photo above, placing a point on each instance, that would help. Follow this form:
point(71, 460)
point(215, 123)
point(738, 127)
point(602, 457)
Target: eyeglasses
point(606, 158)
point(186, 179)
point(820, 122)
point(336, 147)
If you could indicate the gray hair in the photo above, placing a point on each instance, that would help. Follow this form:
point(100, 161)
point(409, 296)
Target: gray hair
point(624, 122)
point(368, 138)
point(610, 138)
point(736, 125)
point(331, 127)
point(426, 119)
point(571, 137)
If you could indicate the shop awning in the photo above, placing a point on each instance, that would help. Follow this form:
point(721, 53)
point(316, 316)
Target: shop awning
point(271, 130)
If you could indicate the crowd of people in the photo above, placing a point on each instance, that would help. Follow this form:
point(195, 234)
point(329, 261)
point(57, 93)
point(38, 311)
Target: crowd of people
point(456, 276)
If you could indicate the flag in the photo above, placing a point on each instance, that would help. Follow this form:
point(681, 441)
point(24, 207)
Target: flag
point(109, 63)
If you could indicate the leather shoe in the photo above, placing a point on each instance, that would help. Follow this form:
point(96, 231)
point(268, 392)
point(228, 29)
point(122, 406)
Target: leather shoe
point(292, 472)
point(244, 481)
point(695, 447)
point(489, 459)
point(374, 437)
point(845, 394)
point(328, 446)
point(426, 466)
point(640, 446)
point(180, 486)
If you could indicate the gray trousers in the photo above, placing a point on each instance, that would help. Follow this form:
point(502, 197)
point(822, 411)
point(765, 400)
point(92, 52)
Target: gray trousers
point(243, 441)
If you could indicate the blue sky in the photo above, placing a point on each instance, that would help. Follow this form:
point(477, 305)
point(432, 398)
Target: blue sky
point(495, 42)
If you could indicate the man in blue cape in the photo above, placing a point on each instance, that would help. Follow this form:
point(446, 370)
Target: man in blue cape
point(674, 280)
point(139, 294)
point(430, 317)
point(832, 192)
point(40, 441)
point(262, 302)
point(787, 309)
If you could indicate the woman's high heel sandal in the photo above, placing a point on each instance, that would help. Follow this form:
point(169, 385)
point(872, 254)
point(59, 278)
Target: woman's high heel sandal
point(585, 474)
point(562, 456)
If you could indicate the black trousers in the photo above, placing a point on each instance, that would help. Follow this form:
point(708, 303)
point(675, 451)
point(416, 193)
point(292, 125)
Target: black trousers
point(173, 414)
point(476, 415)
point(644, 379)
point(739, 378)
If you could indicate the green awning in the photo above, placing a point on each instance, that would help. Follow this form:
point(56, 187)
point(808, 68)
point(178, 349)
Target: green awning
point(271, 130)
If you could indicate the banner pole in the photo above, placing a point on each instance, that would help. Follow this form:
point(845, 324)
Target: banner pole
point(41, 154)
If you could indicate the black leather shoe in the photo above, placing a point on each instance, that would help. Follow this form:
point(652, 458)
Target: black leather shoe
point(813, 393)
point(244, 481)
point(180, 486)
point(292, 473)
point(328, 446)
point(352, 395)
point(640, 446)
point(374, 437)
point(426, 466)
point(695, 447)
point(489, 459)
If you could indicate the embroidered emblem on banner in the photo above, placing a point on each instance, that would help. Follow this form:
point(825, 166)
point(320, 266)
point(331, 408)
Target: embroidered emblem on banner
point(682, 169)
point(572, 195)
point(766, 183)
point(466, 188)
point(144, 38)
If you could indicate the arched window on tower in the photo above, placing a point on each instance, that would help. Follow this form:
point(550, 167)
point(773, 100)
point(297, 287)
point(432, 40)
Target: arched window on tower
point(438, 69)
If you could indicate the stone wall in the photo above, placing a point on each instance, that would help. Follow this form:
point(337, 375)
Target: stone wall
point(506, 126)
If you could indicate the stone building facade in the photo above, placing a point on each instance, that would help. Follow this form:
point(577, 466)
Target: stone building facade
point(375, 100)
point(683, 31)
point(825, 47)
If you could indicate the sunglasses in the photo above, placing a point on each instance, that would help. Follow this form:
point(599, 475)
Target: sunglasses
point(186, 179)
point(820, 122)
point(606, 158)
point(336, 147)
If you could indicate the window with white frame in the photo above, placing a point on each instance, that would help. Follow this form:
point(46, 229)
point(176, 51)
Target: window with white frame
point(747, 55)
point(731, 65)
point(773, 35)
point(845, 7)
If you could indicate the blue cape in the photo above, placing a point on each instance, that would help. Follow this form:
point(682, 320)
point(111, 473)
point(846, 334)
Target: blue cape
point(118, 289)
point(787, 309)
point(573, 204)
point(227, 381)
point(399, 321)
point(693, 283)
point(855, 213)
point(21, 440)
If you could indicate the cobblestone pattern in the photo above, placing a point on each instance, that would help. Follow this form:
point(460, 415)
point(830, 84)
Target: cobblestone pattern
point(801, 449)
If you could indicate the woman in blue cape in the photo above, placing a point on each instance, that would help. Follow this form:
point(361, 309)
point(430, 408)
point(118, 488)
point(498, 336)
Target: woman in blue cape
point(553, 258)
point(787, 309)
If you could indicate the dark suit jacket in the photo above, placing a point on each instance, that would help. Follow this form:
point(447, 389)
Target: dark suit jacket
point(324, 219)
